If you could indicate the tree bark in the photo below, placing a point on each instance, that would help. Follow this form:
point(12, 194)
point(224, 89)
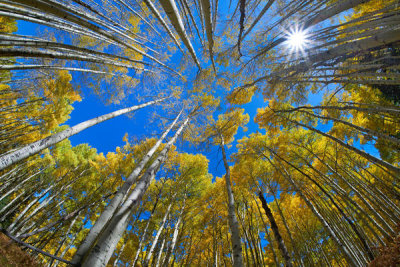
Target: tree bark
point(156, 237)
point(112, 207)
point(174, 238)
point(172, 12)
point(108, 239)
point(233, 222)
point(35, 147)
point(275, 230)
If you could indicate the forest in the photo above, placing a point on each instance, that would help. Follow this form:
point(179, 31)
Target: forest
point(200, 133)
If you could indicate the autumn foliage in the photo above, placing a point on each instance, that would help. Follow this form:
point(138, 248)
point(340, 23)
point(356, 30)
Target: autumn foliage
point(254, 133)
point(11, 255)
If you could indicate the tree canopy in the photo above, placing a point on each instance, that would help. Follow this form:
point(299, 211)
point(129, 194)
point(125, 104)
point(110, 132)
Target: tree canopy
point(251, 132)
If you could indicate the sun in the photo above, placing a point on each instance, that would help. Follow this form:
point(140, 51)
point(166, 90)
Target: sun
point(297, 41)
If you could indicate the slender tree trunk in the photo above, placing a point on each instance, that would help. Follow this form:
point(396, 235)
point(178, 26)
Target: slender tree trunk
point(12, 204)
point(63, 240)
point(73, 239)
point(285, 224)
point(14, 228)
point(275, 230)
point(119, 253)
point(51, 225)
point(153, 9)
point(58, 10)
point(160, 252)
point(248, 245)
point(233, 222)
point(109, 238)
point(348, 220)
point(144, 236)
point(352, 148)
point(172, 12)
point(342, 246)
point(26, 209)
point(174, 238)
point(209, 28)
point(361, 129)
point(112, 207)
point(156, 237)
point(379, 40)
point(33, 148)
point(19, 185)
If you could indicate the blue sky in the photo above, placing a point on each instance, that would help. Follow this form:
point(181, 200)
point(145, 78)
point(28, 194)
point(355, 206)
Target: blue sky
point(108, 135)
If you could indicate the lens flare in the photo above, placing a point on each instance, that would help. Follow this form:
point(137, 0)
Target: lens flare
point(297, 41)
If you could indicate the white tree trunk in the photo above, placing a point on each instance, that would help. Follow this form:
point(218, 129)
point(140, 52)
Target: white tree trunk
point(233, 222)
point(362, 153)
point(111, 208)
point(144, 235)
point(342, 246)
point(156, 237)
point(172, 12)
point(20, 184)
point(206, 7)
point(162, 21)
point(35, 147)
point(174, 238)
point(63, 240)
point(108, 239)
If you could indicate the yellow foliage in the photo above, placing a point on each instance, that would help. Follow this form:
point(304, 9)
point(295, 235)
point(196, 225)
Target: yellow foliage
point(241, 95)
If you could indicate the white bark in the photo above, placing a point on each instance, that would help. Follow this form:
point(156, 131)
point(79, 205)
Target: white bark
point(35, 147)
point(22, 214)
point(342, 247)
point(209, 28)
point(40, 67)
point(53, 9)
point(66, 54)
point(149, 253)
point(50, 225)
point(14, 227)
point(338, 8)
point(384, 38)
point(119, 253)
point(111, 208)
point(362, 153)
point(171, 248)
point(42, 205)
point(144, 235)
point(20, 184)
point(335, 9)
point(172, 12)
point(153, 9)
point(16, 40)
point(108, 239)
point(10, 204)
point(160, 252)
point(233, 222)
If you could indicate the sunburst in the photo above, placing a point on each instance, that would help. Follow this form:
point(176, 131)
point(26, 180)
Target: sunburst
point(297, 41)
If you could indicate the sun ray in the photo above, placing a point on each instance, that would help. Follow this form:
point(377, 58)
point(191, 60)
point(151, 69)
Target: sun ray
point(297, 41)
